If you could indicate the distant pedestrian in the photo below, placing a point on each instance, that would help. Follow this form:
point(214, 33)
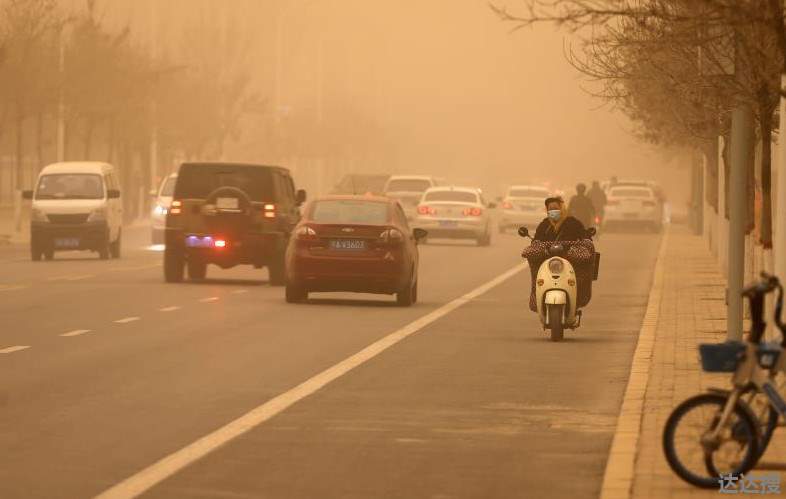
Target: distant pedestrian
point(581, 207)
point(598, 198)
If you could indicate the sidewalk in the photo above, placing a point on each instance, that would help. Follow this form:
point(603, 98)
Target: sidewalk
point(690, 309)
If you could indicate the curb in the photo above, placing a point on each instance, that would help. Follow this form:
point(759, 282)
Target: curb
point(620, 466)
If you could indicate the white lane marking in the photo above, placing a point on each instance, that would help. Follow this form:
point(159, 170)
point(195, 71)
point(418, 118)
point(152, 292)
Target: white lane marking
point(138, 483)
point(126, 320)
point(169, 309)
point(239, 291)
point(76, 332)
point(137, 267)
point(14, 349)
point(12, 288)
point(79, 277)
point(209, 300)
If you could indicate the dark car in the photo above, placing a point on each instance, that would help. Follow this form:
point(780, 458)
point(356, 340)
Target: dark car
point(359, 244)
point(361, 183)
point(230, 214)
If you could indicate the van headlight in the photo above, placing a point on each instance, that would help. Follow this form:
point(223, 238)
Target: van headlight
point(97, 215)
point(37, 215)
point(556, 266)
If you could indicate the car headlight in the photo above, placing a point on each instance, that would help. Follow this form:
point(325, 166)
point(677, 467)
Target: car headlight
point(37, 215)
point(97, 215)
point(556, 266)
point(159, 211)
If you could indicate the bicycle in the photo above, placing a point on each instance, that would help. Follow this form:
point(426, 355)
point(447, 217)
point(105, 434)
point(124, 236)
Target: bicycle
point(734, 437)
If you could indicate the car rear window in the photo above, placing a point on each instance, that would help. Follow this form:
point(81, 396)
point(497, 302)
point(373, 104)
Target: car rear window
point(528, 193)
point(408, 185)
point(361, 184)
point(350, 212)
point(199, 180)
point(454, 196)
point(621, 192)
point(169, 186)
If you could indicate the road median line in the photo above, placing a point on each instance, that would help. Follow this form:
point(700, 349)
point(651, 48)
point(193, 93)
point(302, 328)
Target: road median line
point(148, 477)
point(618, 475)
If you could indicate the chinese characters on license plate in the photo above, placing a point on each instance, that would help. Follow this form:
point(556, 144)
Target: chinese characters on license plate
point(347, 244)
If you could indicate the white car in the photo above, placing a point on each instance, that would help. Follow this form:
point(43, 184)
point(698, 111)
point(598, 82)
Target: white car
point(455, 213)
point(408, 189)
point(76, 206)
point(161, 207)
point(634, 206)
point(523, 205)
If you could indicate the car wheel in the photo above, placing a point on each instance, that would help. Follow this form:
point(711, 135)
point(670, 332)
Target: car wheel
point(114, 248)
point(157, 236)
point(35, 251)
point(49, 253)
point(502, 229)
point(276, 270)
point(485, 239)
point(197, 269)
point(174, 263)
point(406, 297)
point(295, 293)
point(103, 250)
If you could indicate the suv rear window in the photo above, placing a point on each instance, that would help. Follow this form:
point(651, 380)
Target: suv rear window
point(407, 185)
point(197, 181)
point(454, 196)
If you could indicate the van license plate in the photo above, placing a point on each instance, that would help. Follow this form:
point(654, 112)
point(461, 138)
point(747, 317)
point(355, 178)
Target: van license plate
point(348, 244)
point(70, 242)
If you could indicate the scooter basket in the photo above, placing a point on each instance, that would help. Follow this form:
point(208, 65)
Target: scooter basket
point(721, 357)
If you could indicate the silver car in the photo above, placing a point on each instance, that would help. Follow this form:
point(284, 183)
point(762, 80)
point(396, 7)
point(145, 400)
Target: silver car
point(633, 205)
point(408, 189)
point(161, 207)
point(523, 205)
point(455, 213)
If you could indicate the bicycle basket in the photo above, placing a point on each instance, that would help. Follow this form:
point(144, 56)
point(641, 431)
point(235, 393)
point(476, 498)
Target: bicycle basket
point(721, 357)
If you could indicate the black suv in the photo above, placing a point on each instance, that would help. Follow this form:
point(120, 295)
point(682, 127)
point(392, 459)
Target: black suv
point(230, 214)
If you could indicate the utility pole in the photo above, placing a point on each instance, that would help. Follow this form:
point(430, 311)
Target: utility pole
point(779, 210)
point(61, 98)
point(154, 102)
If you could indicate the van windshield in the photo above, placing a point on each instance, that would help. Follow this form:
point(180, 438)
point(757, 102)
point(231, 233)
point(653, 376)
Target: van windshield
point(70, 186)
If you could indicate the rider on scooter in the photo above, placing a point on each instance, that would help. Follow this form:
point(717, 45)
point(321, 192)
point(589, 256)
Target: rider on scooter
point(558, 226)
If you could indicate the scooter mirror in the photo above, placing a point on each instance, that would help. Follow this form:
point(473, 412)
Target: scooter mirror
point(523, 232)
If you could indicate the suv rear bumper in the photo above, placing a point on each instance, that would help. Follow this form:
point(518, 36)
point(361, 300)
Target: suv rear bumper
point(252, 249)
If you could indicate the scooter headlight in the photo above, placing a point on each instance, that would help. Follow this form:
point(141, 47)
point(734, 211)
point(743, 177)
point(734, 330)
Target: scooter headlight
point(556, 266)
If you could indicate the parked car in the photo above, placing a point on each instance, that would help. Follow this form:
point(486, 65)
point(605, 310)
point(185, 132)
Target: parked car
point(76, 206)
point(361, 183)
point(161, 206)
point(230, 214)
point(408, 189)
point(456, 213)
point(633, 206)
point(354, 243)
point(522, 205)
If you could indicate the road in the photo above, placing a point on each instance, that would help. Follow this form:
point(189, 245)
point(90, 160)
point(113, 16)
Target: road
point(121, 370)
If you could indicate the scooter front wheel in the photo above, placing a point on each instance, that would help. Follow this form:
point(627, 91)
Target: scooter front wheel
point(556, 326)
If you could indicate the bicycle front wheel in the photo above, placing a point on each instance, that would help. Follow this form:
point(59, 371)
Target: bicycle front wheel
point(697, 460)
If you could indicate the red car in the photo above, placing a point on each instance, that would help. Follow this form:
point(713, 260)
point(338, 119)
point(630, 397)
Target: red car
point(361, 244)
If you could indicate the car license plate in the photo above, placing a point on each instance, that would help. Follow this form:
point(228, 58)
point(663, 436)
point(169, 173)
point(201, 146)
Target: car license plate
point(199, 242)
point(227, 203)
point(347, 244)
point(448, 223)
point(70, 242)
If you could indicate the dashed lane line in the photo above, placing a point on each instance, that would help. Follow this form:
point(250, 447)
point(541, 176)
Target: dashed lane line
point(13, 349)
point(169, 309)
point(239, 291)
point(126, 320)
point(76, 332)
point(159, 471)
point(210, 299)
point(13, 287)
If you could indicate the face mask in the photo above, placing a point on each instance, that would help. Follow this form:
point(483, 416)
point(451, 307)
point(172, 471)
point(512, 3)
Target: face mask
point(555, 214)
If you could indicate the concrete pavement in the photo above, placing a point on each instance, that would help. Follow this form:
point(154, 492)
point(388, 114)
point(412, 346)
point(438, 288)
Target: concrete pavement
point(122, 369)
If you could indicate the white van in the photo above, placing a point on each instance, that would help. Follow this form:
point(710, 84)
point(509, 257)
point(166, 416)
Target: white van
point(76, 206)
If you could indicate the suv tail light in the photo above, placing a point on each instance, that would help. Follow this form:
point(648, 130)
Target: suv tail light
point(426, 210)
point(269, 210)
point(507, 205)
point(176, 208)
point(473, 212)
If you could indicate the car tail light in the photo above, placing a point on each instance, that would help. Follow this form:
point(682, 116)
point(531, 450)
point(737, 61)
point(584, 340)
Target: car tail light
point(219, 243)
point(507, 205)
point(176, 208)
point(306, 233)
point(473, 212)
point(269, 210)
point(597, 220)
point(426, 210)
point(391, 237)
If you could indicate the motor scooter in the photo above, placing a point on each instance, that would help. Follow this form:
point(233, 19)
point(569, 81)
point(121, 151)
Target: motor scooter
point(556, 289)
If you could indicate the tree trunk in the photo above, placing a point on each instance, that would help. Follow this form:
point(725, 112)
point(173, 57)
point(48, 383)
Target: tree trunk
point(88, 138)
point(20, 142)
point(766, 115)
point(39, 140)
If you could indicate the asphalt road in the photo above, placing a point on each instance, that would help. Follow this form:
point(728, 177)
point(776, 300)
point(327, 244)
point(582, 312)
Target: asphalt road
point(121, 369)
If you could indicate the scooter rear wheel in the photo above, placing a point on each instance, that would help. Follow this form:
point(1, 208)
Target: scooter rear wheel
point(556, 327)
